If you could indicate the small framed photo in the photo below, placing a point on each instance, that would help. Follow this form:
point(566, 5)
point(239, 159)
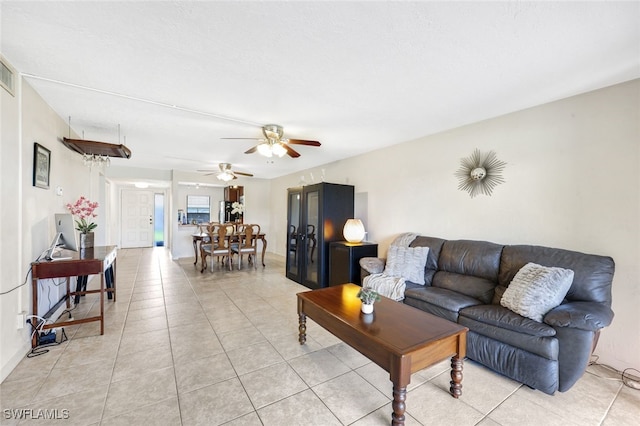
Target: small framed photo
point(41, 166)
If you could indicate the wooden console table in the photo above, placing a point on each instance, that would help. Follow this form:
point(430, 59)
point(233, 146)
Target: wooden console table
point(91, 261)
point(399, 338)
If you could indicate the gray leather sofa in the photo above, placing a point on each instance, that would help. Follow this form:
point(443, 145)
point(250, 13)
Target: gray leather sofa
point(464, 283)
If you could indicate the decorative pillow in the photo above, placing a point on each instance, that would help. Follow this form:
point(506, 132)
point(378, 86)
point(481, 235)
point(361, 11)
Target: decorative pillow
point(407, 262)
point(537, 289)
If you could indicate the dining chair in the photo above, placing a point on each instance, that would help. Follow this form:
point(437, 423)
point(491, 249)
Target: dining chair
point(219, 246)
point(247, 244)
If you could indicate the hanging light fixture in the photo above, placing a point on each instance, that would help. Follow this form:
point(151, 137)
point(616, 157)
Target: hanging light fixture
point(225, 176)
point(270, 148)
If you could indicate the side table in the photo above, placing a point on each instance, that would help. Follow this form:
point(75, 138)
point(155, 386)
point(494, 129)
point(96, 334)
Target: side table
point(344, 261)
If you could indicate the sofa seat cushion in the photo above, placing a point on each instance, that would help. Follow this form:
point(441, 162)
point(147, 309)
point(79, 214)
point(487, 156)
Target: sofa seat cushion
point(540, 342)
point(502, 317)
point(439, 301)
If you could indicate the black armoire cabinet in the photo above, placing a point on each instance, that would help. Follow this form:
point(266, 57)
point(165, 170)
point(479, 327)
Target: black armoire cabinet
point(316, 215)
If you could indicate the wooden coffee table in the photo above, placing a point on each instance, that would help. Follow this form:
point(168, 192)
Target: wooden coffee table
point(399, 338)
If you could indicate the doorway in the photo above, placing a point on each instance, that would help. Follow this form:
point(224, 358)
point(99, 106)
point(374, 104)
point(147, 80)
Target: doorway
point(158, 221)
point(137, 218)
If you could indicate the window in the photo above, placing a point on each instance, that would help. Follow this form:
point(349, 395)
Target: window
point(198, 209)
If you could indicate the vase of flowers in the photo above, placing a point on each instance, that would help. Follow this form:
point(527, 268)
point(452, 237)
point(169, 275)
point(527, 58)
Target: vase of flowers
point(368, 296)
point(84, 210)
point(237, 209)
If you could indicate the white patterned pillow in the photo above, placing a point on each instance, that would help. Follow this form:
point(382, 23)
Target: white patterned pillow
point(407, 262)
point(537, 289)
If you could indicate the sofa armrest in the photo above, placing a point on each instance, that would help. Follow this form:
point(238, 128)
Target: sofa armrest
point(590, 316)
point(373, 265)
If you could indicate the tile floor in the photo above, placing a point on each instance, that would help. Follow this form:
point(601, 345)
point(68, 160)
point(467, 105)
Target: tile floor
point(185, 348)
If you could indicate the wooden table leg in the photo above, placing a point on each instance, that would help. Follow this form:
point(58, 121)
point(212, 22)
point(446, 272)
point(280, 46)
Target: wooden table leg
point(195, 249)
point(399, 406)
point(264, 249)
point(456, 376)
point(302, 328)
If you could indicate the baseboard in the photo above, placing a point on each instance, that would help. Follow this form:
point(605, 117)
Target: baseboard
point(13, 362)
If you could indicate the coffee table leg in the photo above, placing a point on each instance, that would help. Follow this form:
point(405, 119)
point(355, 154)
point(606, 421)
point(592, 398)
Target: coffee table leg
point(456, 377)
point(302, 328)
point(399, 396)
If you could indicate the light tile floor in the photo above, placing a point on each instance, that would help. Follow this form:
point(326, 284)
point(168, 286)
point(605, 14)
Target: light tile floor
point(181, 347)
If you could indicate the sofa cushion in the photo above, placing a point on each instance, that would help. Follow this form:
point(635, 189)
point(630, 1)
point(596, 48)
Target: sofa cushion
point(476, 287)
point(505, 318)
point(439, 301)
point(406, 262)
point(592, 273)
point(539, 344)
point(476, 258)
point(537, 289)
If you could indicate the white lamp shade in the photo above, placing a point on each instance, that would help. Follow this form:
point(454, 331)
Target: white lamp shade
point(353, 231)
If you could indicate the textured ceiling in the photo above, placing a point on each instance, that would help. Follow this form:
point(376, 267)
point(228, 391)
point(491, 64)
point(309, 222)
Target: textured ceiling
point(356, 76)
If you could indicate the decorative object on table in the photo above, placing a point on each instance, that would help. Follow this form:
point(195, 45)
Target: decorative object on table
point(353, 231)
point(480, 173)
point(368, 297)
point(237, 209)
point(84, 209)
point(41, 166)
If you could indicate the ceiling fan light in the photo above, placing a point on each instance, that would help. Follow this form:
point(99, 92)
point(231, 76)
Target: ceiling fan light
point(279, 150)
point(265, 149)
point(225, 176)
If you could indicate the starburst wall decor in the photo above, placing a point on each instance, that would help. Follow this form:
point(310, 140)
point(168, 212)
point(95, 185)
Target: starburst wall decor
point(480, 173)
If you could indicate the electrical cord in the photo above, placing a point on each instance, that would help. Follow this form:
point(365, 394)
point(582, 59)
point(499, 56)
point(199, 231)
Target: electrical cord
point(39, 328)
point(626, 379)
point(26, 277)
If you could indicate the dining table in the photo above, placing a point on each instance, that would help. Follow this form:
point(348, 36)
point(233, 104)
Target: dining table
point(200, 237)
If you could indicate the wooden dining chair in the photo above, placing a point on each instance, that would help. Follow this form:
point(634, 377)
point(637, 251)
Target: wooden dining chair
point(219, 246)
point(247, 244)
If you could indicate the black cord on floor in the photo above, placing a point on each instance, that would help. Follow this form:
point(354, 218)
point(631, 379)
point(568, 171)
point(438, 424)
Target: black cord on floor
point(626, 379)
point(40, 349)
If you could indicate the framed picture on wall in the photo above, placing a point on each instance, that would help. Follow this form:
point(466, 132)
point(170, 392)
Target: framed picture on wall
point(41, 166)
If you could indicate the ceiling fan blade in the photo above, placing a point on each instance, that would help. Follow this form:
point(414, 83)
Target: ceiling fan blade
point(303, 142)
point(242, 173)
point(251, 150)
point(208, 170)
point(292, 152)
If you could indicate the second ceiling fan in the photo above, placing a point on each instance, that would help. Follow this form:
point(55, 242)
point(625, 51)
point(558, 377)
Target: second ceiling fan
point(225, 173)
point(273, 143)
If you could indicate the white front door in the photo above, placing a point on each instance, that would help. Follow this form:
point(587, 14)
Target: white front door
point(137, 218)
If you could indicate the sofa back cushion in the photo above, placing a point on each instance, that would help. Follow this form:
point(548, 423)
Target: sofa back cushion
point(592, 273)
point(431, 266)
point(469, 267)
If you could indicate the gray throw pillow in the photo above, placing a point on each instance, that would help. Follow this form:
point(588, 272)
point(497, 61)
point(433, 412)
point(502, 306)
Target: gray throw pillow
point(407, 262)
point(536, 289)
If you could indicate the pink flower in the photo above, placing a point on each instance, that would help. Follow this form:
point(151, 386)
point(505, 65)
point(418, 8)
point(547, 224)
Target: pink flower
point(83, 208)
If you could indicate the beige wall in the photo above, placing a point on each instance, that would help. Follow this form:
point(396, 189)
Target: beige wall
point(27, 214)
point(572, 181)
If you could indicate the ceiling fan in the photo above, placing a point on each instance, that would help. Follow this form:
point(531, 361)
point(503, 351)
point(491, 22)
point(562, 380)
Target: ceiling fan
point(274, 144)
point(225, 173)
